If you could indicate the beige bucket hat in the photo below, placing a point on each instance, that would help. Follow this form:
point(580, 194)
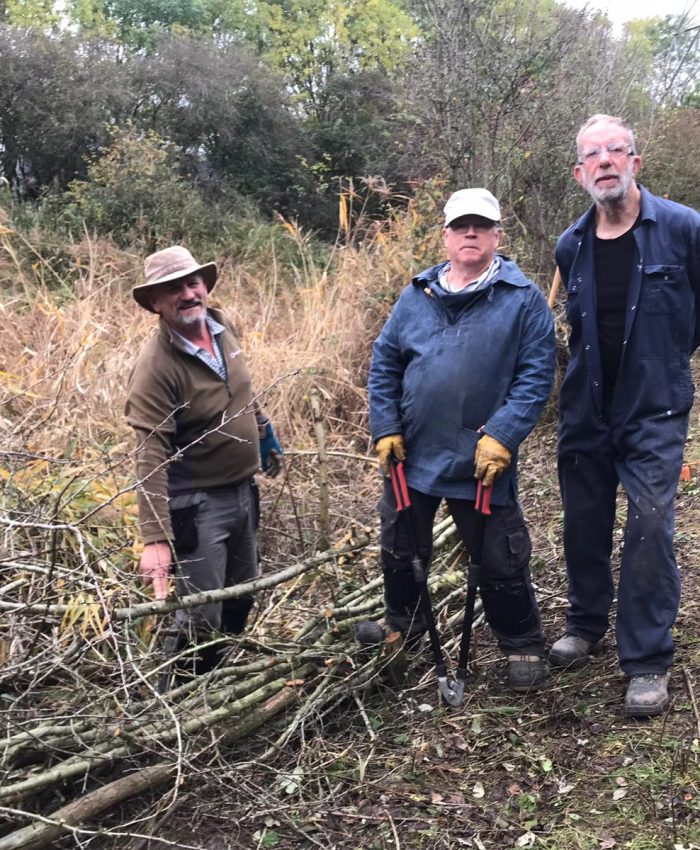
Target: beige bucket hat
point(171, 264)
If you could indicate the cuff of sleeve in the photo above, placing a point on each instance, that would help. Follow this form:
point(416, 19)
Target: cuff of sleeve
point(148, 539)
point(387, 432)
point(502, 438)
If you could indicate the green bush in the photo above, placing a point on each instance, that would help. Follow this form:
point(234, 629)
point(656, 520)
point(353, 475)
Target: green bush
point(133, 193)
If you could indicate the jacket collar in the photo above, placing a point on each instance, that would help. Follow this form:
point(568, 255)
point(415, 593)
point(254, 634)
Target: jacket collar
point(648, 212)
point(509, 273)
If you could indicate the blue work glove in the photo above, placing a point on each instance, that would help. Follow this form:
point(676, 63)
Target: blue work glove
point(270, 450)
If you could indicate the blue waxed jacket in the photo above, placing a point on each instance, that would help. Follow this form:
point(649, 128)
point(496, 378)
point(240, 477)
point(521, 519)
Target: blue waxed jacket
point(662, 326)
point(448, 364)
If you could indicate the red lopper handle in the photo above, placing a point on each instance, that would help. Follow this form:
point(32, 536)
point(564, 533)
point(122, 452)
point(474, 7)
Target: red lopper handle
point(399, 485)
point(483, 498)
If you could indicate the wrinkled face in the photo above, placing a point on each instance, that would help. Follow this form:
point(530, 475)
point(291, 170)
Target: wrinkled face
point(471, 241)
point(182, 303)
point(607, 165)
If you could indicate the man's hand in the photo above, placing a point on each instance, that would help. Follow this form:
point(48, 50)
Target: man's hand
point(492, 459)
point(387, 446)
point(155, 567)
point(270, 450)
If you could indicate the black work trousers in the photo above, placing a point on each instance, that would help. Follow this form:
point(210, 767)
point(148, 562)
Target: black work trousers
point(216, 548)
point(505, 586)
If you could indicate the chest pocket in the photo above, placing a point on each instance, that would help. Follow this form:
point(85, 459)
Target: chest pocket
point(665, 290)
point(572, 302)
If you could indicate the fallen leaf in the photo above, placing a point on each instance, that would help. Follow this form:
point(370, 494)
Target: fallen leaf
point(435, 797)
point(607, 842)
point(619, 793)
point(565, 787)
point(478, 791)
point(527, 839)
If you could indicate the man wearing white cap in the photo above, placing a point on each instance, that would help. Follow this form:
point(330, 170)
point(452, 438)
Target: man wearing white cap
point(459, 376)
point(201, 438)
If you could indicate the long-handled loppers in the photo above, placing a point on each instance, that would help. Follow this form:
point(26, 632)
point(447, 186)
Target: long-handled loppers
point(452, 690)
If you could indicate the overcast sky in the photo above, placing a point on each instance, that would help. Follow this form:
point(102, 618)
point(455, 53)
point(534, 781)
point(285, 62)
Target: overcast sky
point(620, 11)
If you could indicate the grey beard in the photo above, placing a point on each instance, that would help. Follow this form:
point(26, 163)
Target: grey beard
point(186, 319)
point(614, 197)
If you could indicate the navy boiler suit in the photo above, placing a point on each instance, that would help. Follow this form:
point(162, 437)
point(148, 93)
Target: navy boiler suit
point(637, 440)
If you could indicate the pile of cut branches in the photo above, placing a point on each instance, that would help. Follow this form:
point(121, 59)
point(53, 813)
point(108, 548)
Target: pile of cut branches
point(83, 719)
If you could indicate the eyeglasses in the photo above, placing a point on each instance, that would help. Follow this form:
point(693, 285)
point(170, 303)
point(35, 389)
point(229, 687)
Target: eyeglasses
point(614, 149)
point(480, 226)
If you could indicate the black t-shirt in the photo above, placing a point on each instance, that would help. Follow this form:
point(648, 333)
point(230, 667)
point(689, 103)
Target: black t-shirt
point(614, 259)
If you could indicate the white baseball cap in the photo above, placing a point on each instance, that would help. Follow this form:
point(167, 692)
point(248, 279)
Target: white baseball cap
point(472, 202)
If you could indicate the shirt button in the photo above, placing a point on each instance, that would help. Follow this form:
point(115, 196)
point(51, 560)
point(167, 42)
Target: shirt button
point(588, 348)
point(633, 308)
point(595, 383)
point(583, 314)
point(669, 412)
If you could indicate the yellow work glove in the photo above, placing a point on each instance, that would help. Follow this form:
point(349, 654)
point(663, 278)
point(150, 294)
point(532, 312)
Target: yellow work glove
point(492, 459)
point(387, 446)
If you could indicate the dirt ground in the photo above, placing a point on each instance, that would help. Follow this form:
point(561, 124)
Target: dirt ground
point(563, 769)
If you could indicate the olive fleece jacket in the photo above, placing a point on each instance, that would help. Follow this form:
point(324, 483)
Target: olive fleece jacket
point(194, 431)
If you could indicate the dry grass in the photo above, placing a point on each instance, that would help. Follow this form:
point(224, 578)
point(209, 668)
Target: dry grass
point(69, 333)
point(70, 337)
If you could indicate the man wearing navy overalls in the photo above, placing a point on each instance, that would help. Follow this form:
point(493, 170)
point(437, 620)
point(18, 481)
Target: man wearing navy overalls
point(631, 266)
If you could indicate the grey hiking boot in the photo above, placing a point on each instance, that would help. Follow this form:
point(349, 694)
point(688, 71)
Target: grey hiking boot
point(370, 633)
point(526, 672)
point(573, 651)
point(647, 695)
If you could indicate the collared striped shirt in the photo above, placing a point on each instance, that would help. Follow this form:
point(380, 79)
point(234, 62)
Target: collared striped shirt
point(217, 363)
point(480, 283)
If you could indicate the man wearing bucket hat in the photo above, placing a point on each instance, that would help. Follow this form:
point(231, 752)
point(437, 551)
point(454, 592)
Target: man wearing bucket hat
point(459, 376)
point(201, 439)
